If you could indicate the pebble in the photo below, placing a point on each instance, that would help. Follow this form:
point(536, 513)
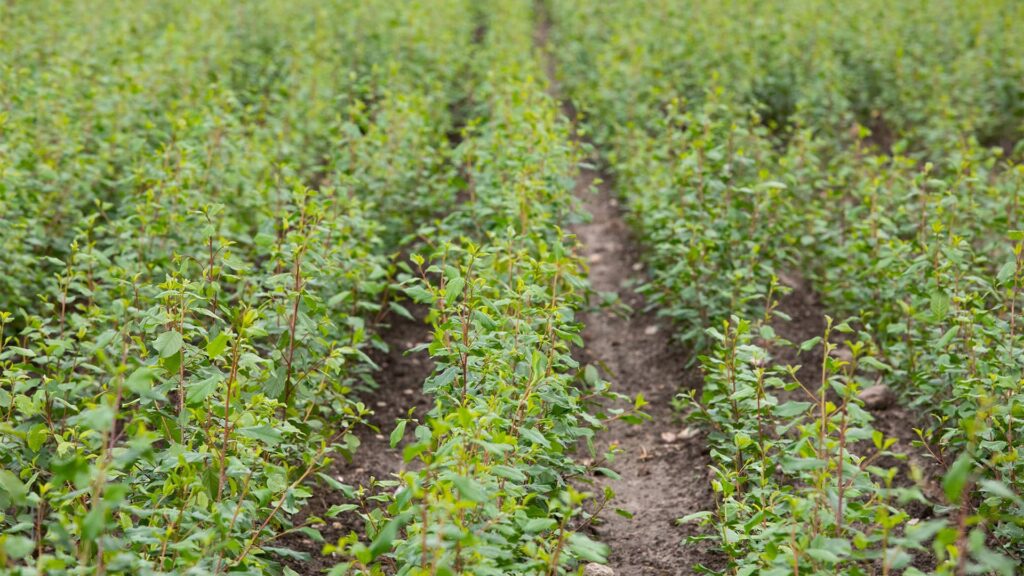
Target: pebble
point(681, 436)
point(595, 569)
point(877, 397)
point(651, 330)
point(688, 433)
point(843, 354)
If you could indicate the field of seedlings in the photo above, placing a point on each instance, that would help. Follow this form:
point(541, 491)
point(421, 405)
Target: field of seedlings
point(512, 287)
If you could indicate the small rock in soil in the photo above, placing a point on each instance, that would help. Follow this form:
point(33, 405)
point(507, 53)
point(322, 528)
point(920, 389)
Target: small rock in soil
point(843, 354)
point(638, 267)
point(651, 330)
point(681, 436)
point(688, 433)
point(877, 397)
point(794, 282)
point(594, 569)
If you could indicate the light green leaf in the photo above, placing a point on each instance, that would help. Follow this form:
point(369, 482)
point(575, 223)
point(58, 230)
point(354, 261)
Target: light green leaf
point(398, 433)
point(168, 344)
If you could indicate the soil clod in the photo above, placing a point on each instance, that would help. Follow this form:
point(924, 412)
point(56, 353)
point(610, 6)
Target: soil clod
point(877, 397)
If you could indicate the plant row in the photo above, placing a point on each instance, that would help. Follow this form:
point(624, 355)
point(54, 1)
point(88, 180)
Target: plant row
point(892, 200)
point(198, 212)
point(492, 485)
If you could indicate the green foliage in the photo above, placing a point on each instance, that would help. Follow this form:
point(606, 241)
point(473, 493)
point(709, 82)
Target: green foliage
point(496, 488)
point(873, 148)
point(198, 208)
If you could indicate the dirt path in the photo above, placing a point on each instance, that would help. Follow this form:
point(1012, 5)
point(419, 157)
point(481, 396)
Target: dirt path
point(400, 382)
point(664, 466)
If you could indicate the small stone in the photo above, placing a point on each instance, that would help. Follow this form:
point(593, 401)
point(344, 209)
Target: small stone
point(336, 525)
point(651, 330)
point(843, 354)
point(595, 569)
point(688, 433)
point(681, 436)
point(877, 397)
point(595, 257)
point(378, 436)
point(382, 404)
point(408, 392)
point(792, 281)
point(638, 267)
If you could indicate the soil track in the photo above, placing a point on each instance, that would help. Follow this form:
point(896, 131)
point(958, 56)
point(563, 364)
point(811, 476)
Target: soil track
point(663, 464)
point(400, 388)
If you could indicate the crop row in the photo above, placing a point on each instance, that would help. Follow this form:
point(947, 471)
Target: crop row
point(878, 166)
point(493, 486)
point(198, 211)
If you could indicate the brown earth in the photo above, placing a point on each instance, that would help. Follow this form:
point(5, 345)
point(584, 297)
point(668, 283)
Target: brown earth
point(400, 388)
point(663, 464)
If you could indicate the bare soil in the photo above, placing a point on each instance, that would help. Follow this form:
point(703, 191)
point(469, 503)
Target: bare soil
point(400, 388)
point(664, 465)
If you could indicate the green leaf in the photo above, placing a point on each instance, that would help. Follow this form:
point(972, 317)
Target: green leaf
point(398, 433)
point(939, 304)
point(13, 486)
point(508, 473)
point(587, 549)
point(823, 555)
point(419, 295)
point(383, 542)
point(947, 337)
point(264, 434)
point(37, 436)
point(695, 517)
point(18, 546)
point(791, 409)
point(198, 391)
point(400, 310)
point(997, 488)
point(453, 289)
point(168, 344)
point(1007, 271)
point(540, 525)
point(340, 508)
point(94, 522)
point(216, 347)
point(470, 489)
point(809, 344)
point(742, 440)
point(141, 380)
point(956, 478)
point(100, 418)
